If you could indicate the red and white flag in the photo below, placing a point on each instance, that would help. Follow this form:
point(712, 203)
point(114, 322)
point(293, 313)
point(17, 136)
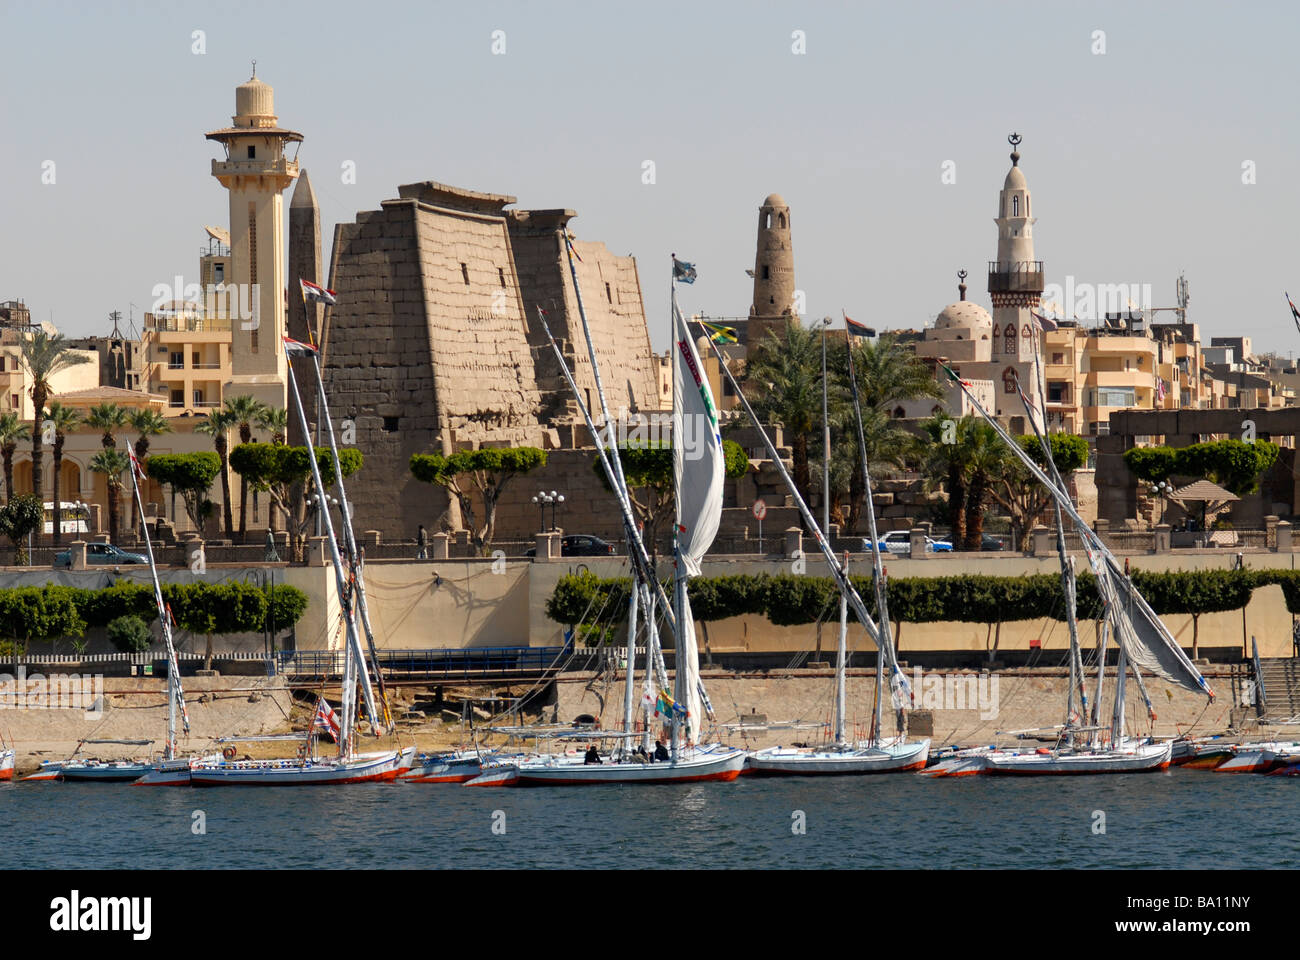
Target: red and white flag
point(327, 720)
point(135, 464)
point(296, 348)
point(314, 293)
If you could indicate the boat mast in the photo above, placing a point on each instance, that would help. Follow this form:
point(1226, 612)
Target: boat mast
point(354, 654)
point(839, 672)
point(846, 587)
point(633, 602)
point(878, 580)
point(679, 572)
point(175, 695)
point(354, 555)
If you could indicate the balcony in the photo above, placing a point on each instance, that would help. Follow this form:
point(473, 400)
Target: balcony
point(1016, 276)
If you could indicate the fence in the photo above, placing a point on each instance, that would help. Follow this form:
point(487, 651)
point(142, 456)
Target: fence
point(466, 662)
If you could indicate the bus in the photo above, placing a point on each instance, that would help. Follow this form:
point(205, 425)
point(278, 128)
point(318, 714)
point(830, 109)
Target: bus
point(74, 517)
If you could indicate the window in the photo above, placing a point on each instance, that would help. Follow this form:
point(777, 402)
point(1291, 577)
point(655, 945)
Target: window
point(1015, 206)
point(1009, 380)
point(1010, 334)
point(501, 277)
point(176, 361)
point(178, 398)
point(1058, 358)
point(1116, 396)
point(219, 272)
point(780, 220)
point(608, 295)
point(252, 153)
point(1058, 392)
point(198, 398)
point(765, 272)
point(194, 360)
point(464, 272)
point(390, 424)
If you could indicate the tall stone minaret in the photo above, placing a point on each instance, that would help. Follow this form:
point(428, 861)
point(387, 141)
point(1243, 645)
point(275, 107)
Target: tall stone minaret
point(303, 319)
point(773, 272)
point(256, 171)
point(1015, 286)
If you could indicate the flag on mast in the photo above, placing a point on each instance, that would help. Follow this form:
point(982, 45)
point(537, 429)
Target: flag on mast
point(1295, 314)
point(326, 719)
point(296, 348)
point(683, 271)
point(1047, 323)
point(856, 329)
point(314, 293)
point(718, 333)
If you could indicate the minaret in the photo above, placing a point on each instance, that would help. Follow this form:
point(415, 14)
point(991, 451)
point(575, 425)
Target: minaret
point(303, 319)
point(256, 172)
point(1015, 285)
point(773, 272)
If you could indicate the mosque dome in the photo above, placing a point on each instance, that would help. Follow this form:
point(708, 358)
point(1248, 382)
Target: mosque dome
point(964, 315)
point(254, 104)
point(1015, 180)
point(774, 200)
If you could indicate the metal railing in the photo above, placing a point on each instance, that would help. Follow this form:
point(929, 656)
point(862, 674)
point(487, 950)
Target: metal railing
point(466, 661)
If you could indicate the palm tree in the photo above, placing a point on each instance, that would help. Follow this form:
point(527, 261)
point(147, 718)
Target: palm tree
point(108, 417)
point(217, 426)
point(43, 355)
point(243, 411)
point(112, 464)
point(147, 423)
point(968, 457)
point(783, 383)
point(12, 432)
point(275, 421)
point(64, 420)
point(888, 373)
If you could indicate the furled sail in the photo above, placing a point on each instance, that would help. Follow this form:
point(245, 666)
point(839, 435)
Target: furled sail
point(699, 470)
point(1147, 642)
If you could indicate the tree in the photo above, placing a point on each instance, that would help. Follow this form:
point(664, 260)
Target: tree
point(130, 634)
point(487, 471)
point(43, 355)
point(20, 516)
point(190, 475)
point(244, 411)
point(64, 420)
point(12, 432)
point(889, 445)
point(783, 384)
point(217, 426)
point(967, 456)
point(275, 421)
point(107, 418)
point(209, 609)
point(1020, 494)
point(147, 423)
point(1233, 464)
point(284, 473)
point(648, 470)
point(112, 464)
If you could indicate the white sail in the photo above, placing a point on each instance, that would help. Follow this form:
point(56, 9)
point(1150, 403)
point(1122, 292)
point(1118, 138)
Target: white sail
point(698, 470)
point(698, 464)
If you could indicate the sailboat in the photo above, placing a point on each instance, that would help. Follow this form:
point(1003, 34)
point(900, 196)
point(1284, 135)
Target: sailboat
point(842, 756)
point(698, 485)
point(1143, 640)
point(347, 766)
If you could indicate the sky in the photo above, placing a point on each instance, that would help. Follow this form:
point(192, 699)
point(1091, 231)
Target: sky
point(1158, 138)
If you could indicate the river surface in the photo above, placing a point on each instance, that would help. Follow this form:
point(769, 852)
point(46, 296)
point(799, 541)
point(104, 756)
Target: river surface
point(1178, 819)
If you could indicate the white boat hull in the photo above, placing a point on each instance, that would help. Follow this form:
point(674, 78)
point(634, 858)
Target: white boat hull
point(547, 771)
point(91, 771)
point(6, 764)
point(363, 768)
point(1140, 758)
point(446, 768)
point(783, 761)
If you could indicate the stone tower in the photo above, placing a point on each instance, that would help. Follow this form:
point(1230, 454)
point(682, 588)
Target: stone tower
point(256, 171)
point(773, 272)
point(1015, 286)
point(303, 319)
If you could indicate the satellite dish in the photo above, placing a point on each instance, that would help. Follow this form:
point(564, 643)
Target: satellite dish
point(219, 234)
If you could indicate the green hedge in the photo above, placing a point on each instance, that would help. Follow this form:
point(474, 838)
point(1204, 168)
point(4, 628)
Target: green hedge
point(788, 600)
point(53, 612)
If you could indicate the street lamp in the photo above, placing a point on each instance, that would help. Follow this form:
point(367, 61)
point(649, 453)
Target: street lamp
point(1162, 491)
point(542, 499)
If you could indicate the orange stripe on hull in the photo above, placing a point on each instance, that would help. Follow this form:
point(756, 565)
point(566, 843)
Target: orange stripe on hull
point(455, 778)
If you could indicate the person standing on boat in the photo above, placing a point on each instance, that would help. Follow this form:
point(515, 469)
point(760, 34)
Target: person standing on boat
point(422, 544)
point(593, 755)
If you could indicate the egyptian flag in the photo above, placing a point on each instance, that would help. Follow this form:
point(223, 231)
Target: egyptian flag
point(952, 373)
point(296, 348)
point(857, 329)
point(135, 464)
point(1047, 323)
point(312, 293)
point(1294, 312)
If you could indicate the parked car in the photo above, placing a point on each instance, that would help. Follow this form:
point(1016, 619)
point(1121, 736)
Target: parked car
point(580, 545)
point(900, 541)
point(992, 543)
point(101, 554)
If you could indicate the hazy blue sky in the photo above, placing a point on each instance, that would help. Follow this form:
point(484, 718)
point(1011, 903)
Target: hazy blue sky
point(1134, 157)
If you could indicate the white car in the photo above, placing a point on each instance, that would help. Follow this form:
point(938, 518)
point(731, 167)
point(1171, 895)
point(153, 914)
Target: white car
point(900, 541)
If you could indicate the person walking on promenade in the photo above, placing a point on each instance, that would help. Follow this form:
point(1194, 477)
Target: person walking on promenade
point(422, 544)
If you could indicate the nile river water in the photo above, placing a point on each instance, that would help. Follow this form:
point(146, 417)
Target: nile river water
point(1179, 819)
